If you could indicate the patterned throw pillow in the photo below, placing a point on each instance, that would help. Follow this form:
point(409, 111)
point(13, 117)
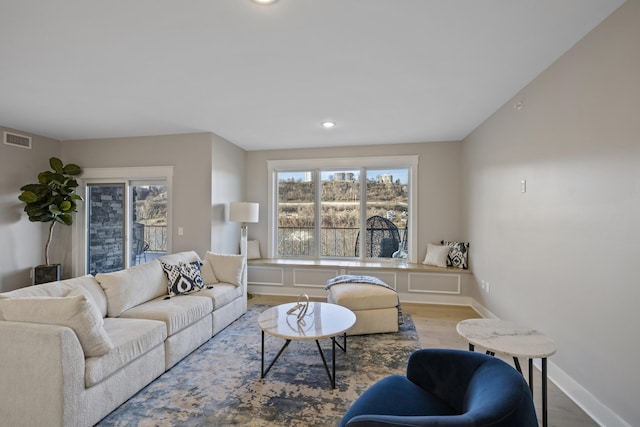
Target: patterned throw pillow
point(457, 254)
point(183, 278)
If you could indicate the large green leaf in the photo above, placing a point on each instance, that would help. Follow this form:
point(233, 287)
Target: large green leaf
point(66, 219)
point(65, 206)
point(56, 164)
point(28, 197)
point(72, 169)
point(44, 177)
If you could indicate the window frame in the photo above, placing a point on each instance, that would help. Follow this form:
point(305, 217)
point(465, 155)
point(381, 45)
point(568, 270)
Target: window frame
point(409, 162)
point(122, 175)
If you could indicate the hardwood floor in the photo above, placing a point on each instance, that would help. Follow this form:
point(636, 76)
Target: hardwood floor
point(436, 327)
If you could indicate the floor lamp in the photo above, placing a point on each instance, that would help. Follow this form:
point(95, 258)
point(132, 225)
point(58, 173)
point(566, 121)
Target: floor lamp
point(244, 212)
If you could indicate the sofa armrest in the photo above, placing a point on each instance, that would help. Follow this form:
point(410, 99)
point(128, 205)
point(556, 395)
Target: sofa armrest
point(42, 373)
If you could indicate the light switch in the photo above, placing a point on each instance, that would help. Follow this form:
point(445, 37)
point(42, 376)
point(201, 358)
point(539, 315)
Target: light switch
point(180, 231)
point(523, 186)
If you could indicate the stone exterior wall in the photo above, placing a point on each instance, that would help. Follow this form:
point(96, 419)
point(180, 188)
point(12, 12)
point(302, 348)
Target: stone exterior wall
point(106, 225)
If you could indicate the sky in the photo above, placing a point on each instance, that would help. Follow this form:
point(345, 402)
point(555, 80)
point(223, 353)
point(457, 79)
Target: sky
point(401, 174)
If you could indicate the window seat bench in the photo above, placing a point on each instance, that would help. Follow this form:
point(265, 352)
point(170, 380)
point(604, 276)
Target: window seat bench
point(414, 282)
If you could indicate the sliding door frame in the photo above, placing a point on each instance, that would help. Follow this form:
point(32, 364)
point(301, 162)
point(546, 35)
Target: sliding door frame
point(124, 175)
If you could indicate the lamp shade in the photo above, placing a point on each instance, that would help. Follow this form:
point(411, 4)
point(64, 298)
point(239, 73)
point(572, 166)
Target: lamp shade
point(244, 212)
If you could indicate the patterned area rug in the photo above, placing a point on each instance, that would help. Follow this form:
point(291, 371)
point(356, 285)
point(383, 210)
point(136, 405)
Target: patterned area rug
point(219, 384)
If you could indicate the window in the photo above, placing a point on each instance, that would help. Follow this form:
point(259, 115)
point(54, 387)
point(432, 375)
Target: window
point(325, 209)
point(126, 218)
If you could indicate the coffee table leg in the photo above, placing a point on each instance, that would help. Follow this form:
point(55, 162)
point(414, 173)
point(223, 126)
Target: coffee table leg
point(342, 347)
point(286, 344)
point(332, 379)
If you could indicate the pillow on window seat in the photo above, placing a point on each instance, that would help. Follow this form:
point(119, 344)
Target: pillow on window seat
point(436, 255)
point(457, 254)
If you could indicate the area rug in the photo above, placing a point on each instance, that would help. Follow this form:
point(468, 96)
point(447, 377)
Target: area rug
point(219, 384)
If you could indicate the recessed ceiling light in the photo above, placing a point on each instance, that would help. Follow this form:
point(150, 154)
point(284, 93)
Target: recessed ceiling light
point(265, 1)
point(328, 124)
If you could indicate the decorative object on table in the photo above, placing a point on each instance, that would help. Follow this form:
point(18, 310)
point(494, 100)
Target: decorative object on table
point(447, 387)
point(294, 394)
point(301, 307)
point(51, 200)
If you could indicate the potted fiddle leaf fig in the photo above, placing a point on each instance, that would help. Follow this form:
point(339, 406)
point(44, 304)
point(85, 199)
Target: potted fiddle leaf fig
point(51, 200)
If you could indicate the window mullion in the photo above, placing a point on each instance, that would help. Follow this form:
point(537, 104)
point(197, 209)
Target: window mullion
point(318, 214)
point(363, 212)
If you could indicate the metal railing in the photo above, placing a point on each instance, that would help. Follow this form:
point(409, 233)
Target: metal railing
point(156, 237)
point(299, 241)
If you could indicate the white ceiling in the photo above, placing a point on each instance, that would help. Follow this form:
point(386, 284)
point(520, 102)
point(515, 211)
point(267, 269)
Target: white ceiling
point(264, 77)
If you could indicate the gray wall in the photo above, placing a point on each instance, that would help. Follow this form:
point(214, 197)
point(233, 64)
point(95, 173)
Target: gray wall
point(22, 242)
point(439, 180)
point(193, 200)
point(561, 257)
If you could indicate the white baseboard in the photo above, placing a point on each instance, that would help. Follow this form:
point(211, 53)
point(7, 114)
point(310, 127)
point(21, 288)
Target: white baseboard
point(600, 413)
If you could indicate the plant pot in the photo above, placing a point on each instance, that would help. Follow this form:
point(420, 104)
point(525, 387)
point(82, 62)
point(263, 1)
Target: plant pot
point(46, 273)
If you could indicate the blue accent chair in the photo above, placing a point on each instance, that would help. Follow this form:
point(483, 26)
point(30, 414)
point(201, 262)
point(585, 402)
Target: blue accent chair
point(447, 388)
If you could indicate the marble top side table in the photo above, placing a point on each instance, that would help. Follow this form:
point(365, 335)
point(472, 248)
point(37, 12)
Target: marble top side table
point(499, 336)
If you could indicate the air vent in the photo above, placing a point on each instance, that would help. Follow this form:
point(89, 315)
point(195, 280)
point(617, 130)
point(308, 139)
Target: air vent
point(16, 140)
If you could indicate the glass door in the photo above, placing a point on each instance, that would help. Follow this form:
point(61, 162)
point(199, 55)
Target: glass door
point(149, 220)
point(125, 218)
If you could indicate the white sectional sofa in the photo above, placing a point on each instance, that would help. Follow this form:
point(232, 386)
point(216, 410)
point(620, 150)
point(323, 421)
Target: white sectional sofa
point(73, 351)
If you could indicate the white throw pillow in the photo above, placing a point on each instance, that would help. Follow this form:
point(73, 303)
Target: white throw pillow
point(436, 255)
point(227, 268)
point(127, 288)
point(76, 312)
point(208, 276)
point(253, 249)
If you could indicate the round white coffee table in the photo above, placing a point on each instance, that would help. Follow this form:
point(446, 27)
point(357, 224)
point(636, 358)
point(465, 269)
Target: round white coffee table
point(499, 336)
point(322, 320)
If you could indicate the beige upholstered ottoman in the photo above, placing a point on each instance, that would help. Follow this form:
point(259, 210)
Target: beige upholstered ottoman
point(376, 306)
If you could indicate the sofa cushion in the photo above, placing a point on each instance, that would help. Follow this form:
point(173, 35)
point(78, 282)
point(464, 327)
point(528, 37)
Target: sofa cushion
point(127, 288)
point(207, 274)
point(131, 339)
point(227, 268)
point(79, 313)
point(362, 296)
point(177, 313)
point(62, 288)
point(221, 294)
